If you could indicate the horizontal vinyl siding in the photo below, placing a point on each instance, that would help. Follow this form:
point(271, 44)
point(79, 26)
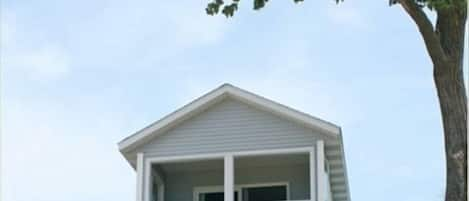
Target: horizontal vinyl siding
point(179, 186)
point(230, 126)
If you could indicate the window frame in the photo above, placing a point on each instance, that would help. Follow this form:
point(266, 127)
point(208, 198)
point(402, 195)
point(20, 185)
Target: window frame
point(238, 188)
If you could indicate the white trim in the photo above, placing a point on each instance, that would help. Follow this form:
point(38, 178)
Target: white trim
point(195, 157)
point(207, 189)
point(160, 183)
point(211, 189)
point(148, 181)
point(161, 190)
point(283, 110)
point(171, 118)
point(210, 98)
point(228, 178)
point(266, 184)
point(320, 172)
point(312, 175)
point(139, 176)
point(344, 166)
point(239, 188)
point(286, 184)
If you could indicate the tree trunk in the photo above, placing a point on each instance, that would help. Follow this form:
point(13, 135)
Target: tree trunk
point(449, 81)
point(452, 98)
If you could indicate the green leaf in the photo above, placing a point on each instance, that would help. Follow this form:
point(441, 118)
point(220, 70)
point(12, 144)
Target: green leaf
point(258, 4)
point(214, 7)
point(229, 10)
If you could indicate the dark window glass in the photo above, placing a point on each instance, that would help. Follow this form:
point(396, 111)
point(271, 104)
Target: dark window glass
point(219, 196)
point(271, 193)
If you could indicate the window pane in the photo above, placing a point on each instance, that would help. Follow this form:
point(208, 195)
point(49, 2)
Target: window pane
point(218, 196)
point(213, 197)
point(271, 193)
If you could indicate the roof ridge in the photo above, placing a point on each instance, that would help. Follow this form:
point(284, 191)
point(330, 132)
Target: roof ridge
point(214, 95)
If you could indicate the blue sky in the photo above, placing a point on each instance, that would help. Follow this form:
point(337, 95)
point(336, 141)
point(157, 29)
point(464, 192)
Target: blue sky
point(78, 76)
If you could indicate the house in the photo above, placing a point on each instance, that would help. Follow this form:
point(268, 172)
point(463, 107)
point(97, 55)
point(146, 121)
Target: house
point(233, 145)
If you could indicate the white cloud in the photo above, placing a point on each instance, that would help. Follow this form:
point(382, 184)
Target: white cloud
point(36, 60)
point(145, 32)
point(45, 63)
point(345, 14)
point(49, 62)
point(195, 26)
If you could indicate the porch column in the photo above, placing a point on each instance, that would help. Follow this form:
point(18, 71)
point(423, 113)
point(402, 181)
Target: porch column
point(148, 182)
point(312, 175)
point(229, 178)
point(321, 177)
point(140, 174)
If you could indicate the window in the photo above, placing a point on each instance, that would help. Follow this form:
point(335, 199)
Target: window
point(212, 193)
point(215, 196)
point(267, 193)
point(251, 192)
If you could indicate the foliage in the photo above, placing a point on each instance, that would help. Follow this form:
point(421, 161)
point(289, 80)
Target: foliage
point(229, 9)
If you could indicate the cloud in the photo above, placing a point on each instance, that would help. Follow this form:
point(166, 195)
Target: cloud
point(345, 14)
point(145, 33)
point(195, 26)
point(24, 56)
point(47, 62)
point(142, 33)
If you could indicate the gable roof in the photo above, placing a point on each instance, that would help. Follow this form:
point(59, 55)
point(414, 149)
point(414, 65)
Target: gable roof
point(213, 97)
point(335, 153)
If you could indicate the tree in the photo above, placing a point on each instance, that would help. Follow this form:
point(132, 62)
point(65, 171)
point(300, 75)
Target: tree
point(444, 43)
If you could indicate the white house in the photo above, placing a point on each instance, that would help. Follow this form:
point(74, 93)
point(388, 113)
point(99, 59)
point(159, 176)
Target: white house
point(233, 145)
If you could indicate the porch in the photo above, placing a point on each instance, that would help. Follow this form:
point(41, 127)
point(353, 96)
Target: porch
point(262, 175)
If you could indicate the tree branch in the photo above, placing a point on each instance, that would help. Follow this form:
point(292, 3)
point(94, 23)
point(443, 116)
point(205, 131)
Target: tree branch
point(430, 37)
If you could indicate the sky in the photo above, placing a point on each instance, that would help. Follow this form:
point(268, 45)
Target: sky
point(79, 76)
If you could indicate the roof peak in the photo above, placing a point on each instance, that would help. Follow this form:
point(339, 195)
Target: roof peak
point(215, 96)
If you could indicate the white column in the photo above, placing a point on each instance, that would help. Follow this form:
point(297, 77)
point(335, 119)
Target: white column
point(148, 182)
point(312, 175)
point(140, 174)
point(229, 178)
point(321, 179)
